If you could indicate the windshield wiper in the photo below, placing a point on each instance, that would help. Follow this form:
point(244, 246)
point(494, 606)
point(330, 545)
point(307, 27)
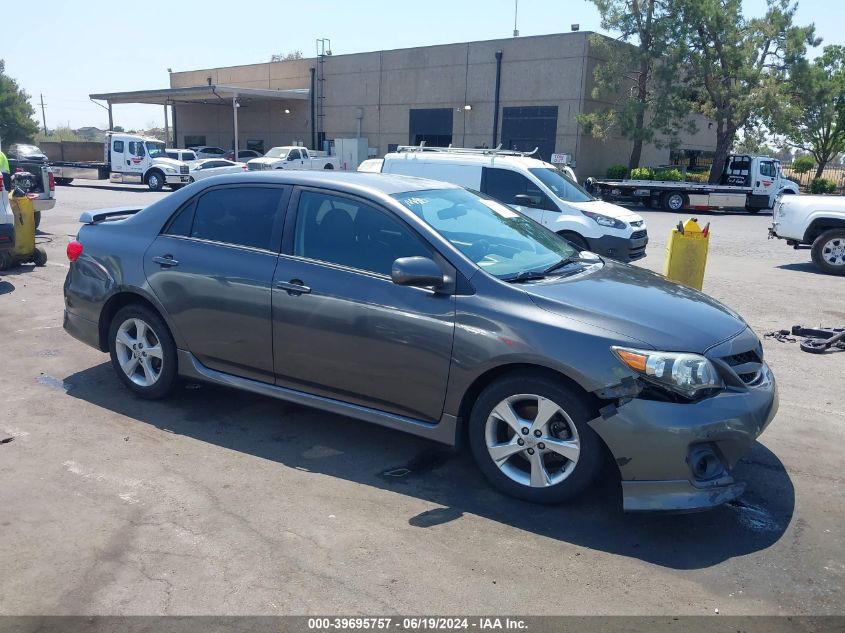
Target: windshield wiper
point(525, 275)
point(568, 260)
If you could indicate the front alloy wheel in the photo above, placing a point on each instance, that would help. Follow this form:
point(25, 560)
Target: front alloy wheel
point(532, 440)
point(530, 437)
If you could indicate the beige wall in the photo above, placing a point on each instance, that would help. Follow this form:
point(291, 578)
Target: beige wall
point(549, 70)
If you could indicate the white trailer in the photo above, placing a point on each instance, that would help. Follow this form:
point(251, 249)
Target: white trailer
point(748, 182)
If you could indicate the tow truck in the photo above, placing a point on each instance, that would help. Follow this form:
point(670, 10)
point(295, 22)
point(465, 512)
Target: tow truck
point(748, 182)
point(129, 159)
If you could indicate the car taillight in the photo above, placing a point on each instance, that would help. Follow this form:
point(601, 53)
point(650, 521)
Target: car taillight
point(243, 168)
point(74, 250)
point(52, 181)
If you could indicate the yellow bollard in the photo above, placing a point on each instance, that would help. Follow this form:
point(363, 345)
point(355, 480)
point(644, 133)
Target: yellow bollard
point(686, 253)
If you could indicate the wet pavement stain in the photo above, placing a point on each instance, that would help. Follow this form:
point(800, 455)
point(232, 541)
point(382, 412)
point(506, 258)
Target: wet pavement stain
point(52, 382)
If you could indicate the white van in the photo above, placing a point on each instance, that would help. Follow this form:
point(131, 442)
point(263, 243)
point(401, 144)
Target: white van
point(534, 188)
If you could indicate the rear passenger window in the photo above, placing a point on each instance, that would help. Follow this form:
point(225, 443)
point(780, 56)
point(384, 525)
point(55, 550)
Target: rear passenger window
point(180, 223)
point(244, 216)
point(343, 231)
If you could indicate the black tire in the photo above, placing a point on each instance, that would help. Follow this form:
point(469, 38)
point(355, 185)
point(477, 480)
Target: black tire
point(37, 218)
point(576, 240)
point(673, 201)
point(822, 255)
point(39, 256)
point(64, 181)
point(191, 180)
point(328, 166)
point(582, 472)
point(167, 376)
point(155, 181)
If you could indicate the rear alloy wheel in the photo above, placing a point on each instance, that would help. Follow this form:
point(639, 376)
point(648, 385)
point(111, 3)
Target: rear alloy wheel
point(529, 436)
point(673, 201)
point(828, 251)
point(143, 353)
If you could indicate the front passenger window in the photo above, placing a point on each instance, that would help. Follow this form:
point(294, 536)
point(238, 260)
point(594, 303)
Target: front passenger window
point(505, 185)
point(343, 231)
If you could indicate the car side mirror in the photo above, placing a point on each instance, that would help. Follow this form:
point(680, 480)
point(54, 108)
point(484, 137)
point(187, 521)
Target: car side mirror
point(524, 201)
point(290, 158)
point(420, 272)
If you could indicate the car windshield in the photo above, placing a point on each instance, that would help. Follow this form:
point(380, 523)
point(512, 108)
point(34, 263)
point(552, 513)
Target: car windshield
point(277, 152)
point(500, 240)
point(156, 149)
point(28, 149)
point(561, 186)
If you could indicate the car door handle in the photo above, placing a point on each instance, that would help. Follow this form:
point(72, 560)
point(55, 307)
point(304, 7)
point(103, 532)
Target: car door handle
point(294, 287)
point(166, 262)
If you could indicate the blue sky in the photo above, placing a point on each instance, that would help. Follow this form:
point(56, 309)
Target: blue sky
point(98, 46)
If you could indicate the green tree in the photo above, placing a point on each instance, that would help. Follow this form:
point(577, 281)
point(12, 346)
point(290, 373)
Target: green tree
point(739, 64)
point(638, 76)
point(814, 119)
point(16, 122)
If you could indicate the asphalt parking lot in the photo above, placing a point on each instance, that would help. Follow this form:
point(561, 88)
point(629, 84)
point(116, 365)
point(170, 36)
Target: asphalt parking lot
point(222, 502)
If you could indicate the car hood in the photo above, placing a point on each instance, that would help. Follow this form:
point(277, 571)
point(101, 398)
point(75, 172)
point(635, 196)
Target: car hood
point(606, 208)
point(266, 160)
point(641, 305)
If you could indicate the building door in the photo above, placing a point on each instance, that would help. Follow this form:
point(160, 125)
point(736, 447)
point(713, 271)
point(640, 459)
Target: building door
point(525, 128)
point(432, 125)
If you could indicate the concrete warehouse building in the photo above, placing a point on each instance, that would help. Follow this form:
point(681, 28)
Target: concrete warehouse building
point(522, 92)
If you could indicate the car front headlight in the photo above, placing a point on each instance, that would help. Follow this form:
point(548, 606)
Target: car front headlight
point(605, 220)
point(686, 374)
point(170, 170)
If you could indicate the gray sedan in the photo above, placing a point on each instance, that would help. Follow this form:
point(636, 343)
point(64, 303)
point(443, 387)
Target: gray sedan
point(427, 308)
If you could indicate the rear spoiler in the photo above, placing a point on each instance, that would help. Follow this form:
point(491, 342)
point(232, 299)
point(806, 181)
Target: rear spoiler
point(104, 215)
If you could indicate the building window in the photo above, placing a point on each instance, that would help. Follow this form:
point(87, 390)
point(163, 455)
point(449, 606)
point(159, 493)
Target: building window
point(526, 128)
point(691, 158)
point(193, 140)
point(430, 125)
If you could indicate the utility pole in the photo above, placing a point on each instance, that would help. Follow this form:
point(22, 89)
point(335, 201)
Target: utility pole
point(515, 12)
point(43, 116)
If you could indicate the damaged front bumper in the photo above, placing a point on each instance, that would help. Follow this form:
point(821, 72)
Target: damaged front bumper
point(675, 456)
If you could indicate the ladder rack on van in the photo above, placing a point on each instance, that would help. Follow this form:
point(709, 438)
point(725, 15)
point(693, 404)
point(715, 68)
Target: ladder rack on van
point(496, 151)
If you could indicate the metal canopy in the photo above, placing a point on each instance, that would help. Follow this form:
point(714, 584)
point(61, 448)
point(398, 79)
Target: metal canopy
point(200, 94)
point(210, 94)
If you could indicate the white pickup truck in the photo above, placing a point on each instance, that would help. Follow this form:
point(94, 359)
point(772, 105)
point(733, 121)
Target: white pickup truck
point(293, 157)
point(817, 222)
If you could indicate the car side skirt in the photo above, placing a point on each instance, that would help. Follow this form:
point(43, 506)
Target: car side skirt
point(445, 431)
